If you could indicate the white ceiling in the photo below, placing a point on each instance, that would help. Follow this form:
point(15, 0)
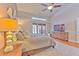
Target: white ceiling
point(36, 9)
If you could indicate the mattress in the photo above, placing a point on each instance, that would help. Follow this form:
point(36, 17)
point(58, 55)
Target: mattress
point(38, 42)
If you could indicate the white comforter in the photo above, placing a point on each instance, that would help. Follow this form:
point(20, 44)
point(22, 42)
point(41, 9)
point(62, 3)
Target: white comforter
point(38, 42)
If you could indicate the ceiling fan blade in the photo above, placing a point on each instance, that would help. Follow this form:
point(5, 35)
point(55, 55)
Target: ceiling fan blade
point(57, 6)
point(52, 3)
point(44, 9)
point(44, 4)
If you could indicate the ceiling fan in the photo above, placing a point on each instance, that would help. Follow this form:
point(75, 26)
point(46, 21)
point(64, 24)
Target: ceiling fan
point(50, 7)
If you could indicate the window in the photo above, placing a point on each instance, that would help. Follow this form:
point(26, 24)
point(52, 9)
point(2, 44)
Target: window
point(43, 28)
point(39, 29)
point(34, 29)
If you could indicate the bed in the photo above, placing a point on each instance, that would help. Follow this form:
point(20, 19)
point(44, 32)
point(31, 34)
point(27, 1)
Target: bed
point(38, 42)
point(30, 42)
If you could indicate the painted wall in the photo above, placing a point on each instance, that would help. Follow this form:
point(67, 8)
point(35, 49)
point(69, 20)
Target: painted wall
point(25, 19)
point(68, 17)
point(27, 22)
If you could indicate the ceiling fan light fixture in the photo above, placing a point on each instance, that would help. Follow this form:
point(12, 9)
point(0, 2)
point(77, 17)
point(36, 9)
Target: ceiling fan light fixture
point(50, 7)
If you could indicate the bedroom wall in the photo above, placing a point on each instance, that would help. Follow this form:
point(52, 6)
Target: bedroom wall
point(27, 21)
point(68, 17)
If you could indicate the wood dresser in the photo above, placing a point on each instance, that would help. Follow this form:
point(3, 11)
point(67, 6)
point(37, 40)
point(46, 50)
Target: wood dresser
point(60, 35)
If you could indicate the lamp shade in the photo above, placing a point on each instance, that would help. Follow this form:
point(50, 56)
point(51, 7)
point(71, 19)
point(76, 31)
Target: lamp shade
point(8, 24)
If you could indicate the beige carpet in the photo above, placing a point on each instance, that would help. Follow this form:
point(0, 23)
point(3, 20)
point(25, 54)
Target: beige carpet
point(33, 44)
point(60, 50)
point(49, 52)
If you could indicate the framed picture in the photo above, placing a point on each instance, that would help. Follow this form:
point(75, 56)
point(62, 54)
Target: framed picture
point(54, 27)
point(59, 28)
point(62, 28)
